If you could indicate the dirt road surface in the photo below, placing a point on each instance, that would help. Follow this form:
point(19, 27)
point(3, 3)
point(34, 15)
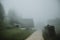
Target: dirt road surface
point(37, 35)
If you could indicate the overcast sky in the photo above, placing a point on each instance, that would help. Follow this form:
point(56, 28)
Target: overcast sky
point(39, 10)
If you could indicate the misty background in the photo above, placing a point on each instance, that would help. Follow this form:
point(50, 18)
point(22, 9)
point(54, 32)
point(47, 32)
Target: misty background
point(21, 18)
point(39, 10)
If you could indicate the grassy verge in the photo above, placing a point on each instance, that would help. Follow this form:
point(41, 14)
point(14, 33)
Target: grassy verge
point(16, 34)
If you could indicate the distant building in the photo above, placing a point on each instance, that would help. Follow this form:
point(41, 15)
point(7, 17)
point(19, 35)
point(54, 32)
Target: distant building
point(27, 23)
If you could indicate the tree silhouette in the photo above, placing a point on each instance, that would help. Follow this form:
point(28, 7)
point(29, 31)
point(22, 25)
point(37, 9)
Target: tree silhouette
point(1, 16)
point(13, 19)
point(56, 23)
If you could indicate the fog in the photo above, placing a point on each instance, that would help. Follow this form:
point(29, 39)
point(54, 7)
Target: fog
point(40, 10)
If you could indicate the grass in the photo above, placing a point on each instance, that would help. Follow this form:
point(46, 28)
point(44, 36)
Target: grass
point(16, 34)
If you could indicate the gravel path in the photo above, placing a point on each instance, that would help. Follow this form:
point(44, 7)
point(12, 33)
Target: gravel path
point(37, 35)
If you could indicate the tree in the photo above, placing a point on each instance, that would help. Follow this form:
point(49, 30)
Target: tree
point(56, 23)
point(49, 32)
point(1, 16)
point(13, 19)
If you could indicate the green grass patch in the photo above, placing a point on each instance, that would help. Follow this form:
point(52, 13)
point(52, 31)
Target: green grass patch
point(16, 34)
